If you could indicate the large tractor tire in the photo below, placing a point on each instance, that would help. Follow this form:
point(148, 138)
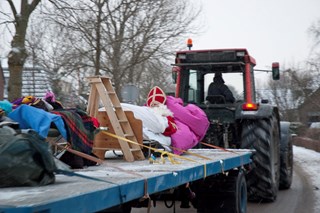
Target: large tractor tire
point(286, 156)
point(262, 136)
point(222, 193)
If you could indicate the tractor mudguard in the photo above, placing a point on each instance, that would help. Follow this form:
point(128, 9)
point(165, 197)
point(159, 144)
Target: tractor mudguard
point(264, 111)
point(285, 130)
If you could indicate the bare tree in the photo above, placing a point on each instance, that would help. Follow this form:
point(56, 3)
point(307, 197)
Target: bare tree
point(314, 61)
point(142, 34)
point(128, 40)
point(297, 85)
point(17, 56)
point(55, 56)
point(314, 31)
point(293, 89)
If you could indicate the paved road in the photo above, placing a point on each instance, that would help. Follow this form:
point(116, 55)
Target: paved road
point(298, 199)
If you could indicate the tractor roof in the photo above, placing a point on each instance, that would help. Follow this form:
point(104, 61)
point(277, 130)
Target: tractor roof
point(212, 60)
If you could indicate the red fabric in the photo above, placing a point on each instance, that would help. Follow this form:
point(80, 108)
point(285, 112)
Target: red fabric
point(79, 127)
point(95, 122)
point(172, 128)
point(156, 96)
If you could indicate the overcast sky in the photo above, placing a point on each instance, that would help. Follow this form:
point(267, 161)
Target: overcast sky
point(271, 30)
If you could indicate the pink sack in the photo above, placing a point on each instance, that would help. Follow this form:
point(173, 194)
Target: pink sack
point(183, 138)
point(190, 115)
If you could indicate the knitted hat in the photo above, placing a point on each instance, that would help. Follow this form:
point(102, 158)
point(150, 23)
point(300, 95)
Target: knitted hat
point(218, 74)
point(218, 77)
point(156, 96)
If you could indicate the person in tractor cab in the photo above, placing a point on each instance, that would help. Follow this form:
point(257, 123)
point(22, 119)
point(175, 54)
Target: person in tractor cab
point(218, 92)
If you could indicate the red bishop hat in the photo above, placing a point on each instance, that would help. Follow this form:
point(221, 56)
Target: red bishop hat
point(156, 96)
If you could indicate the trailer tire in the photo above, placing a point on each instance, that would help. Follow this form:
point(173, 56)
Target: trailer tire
point(223, 194)
point(263, 136)
point(239, 204)
point(286, 156)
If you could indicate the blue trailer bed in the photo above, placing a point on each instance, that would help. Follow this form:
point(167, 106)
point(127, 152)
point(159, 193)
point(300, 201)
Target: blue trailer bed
point(122, 181)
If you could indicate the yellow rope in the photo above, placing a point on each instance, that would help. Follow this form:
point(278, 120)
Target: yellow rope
point(170, 156)
point(191, 153)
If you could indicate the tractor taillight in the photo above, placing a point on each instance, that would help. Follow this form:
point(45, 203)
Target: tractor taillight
point(250, 106)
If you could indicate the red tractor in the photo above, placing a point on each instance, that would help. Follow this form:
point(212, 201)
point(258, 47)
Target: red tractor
point(246, 123)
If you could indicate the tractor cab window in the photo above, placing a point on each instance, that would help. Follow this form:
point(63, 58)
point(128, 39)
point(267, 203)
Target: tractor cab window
point(195, 84)
point(193, 90)
point(234, 81)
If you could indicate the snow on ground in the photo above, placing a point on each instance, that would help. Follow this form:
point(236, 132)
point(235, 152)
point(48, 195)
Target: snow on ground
point(309, 161)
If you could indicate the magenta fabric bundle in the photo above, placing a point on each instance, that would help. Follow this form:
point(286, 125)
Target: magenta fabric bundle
point(183, 138)
point(193, 124)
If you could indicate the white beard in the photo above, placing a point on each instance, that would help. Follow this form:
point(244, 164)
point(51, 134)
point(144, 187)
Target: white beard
point(162, 110)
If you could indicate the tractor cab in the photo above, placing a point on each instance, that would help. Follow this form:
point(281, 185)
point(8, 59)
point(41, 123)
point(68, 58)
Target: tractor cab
point(194, 72)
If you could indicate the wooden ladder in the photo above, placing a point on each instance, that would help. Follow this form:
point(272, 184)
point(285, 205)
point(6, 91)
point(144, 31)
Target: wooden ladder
point(102, 89)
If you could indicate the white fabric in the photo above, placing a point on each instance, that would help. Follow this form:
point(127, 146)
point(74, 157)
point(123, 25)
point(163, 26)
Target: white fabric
point(165, 141)
point(153, 124)
point(150, 120)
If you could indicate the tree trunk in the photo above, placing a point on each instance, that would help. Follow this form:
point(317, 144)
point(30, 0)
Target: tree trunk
point(18, 54)
point(16, 59)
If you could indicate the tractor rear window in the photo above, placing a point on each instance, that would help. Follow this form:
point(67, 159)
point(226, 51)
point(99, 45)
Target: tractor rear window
point(199, 81)
point(233, 80)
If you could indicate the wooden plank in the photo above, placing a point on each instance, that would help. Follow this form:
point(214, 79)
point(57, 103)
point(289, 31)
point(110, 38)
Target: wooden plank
point(93, 101)
point(102, 142)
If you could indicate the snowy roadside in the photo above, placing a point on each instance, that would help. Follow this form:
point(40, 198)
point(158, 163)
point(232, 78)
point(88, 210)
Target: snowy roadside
point(309, 161)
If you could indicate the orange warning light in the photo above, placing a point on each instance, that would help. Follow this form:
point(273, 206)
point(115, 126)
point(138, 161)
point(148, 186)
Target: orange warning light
point(189, 43)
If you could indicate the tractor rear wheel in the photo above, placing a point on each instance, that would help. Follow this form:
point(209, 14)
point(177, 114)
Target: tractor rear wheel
point(262, 136)
point(286, 156)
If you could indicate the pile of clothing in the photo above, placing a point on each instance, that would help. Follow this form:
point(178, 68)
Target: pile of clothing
point(42, 114)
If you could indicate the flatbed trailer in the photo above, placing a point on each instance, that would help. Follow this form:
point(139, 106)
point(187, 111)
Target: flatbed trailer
point(116, 182)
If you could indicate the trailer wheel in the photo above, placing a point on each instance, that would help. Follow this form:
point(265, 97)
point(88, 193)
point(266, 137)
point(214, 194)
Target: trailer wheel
point(223, 194)
point(239, 204)
point(263, 136)
point(286, 156)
